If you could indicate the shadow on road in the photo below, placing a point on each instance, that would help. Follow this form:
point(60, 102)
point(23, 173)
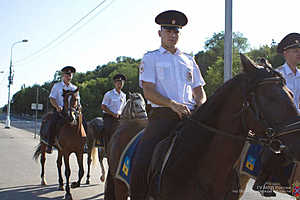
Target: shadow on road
point(36, 192)
point(31, 192)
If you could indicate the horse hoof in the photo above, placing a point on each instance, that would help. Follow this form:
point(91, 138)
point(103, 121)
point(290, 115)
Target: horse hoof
point(61, 188)
point(43, 183)
point(68, 197)
point(102, 179)
point(75, 185)
point(87, 182)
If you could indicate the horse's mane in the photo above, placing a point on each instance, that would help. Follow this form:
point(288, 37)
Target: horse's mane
point(210, 107)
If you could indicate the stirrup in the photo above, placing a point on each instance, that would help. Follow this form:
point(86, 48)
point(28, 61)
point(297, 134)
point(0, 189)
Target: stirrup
point(49, 149)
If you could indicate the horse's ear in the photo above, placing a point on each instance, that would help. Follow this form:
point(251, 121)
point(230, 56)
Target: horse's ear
point(248, 65)
point(265, 63)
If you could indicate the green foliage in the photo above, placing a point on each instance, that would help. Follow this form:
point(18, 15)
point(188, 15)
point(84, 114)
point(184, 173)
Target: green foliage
point(211, 61)
point(269, 53)
point(92, 85)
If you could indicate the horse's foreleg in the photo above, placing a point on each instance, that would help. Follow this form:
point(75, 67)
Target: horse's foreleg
point(244, 179)
point(59, 164)
point(101, 154)
point(79, 157)
point(43, 160)
point(68, 195)
point(109, 189)
point(121, 190)
point(89, 161)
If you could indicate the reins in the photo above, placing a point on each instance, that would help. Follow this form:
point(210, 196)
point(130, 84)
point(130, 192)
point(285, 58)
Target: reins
point(271, 134)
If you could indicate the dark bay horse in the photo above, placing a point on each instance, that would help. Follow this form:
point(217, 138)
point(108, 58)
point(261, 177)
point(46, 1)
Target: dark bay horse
point(130, 125)
point(203, 149)
point(71, 139)
point(134, 109)
point(208, 144)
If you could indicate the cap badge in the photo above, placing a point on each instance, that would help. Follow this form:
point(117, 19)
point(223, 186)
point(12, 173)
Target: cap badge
point(189, 76)
point(173, 21)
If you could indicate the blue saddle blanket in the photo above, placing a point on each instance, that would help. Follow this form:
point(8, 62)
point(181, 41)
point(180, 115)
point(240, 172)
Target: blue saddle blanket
point(124, 167)
point(251, 163)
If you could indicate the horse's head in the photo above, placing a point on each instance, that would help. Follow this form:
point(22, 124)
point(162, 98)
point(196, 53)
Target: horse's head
point(71, 105)
point(135, 107)
point(268, 108)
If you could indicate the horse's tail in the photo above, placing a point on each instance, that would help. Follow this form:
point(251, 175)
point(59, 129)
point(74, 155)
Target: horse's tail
point(37, 152)
point(94, 156)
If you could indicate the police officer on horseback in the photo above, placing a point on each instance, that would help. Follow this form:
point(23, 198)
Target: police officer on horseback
point(57, 101)
point(172, 83)
point(112, 105)
point(273, 164)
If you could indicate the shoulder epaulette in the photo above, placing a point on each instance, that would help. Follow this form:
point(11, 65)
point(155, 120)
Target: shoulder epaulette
point(149, 52)
point(188, 54)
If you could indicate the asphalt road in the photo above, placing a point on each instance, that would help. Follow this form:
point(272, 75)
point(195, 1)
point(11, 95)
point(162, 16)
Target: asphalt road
point(20, 174)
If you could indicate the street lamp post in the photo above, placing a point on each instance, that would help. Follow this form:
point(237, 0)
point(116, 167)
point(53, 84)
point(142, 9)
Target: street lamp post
point(10, 80)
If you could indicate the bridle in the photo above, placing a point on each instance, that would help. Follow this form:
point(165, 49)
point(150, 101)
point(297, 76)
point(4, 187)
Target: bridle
point(272, 134)
point(70, 110)
point(131, 106)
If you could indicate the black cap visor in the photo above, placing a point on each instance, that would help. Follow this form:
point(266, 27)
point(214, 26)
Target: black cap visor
point(293, 46)
point(176, 28)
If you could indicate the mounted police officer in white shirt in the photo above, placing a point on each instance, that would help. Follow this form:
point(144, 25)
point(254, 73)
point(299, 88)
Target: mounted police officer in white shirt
point(57, 101)
point(173, 85)
point(289, 47)
point(112, 105)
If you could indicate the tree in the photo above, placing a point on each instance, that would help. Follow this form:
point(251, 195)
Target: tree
point(211, 61)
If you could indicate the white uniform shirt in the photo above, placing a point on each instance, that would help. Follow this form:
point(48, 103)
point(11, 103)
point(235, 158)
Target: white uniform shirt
point(57, 92)
point(174, 75)
point(114, 101)
point(292, 82)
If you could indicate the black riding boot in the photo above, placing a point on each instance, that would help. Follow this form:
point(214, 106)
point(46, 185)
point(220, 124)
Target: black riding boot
point(51, 135)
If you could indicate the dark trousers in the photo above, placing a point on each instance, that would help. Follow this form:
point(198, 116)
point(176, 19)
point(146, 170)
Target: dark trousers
point(161, 122)
point(110, 124)
point(56, 122)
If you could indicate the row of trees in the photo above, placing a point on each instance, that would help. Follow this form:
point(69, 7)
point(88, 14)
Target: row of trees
point(94, 84)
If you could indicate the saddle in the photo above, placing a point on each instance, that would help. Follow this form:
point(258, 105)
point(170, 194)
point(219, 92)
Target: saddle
point(45, 129)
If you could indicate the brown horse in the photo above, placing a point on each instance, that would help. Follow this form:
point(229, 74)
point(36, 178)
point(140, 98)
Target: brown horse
point(197, 160)
point(71, 138)
point(134, 109)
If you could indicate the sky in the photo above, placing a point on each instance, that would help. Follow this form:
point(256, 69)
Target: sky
point(120, 28)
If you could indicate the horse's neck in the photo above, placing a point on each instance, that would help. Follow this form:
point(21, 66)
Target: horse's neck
point(211, 156)
point(224, 150)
